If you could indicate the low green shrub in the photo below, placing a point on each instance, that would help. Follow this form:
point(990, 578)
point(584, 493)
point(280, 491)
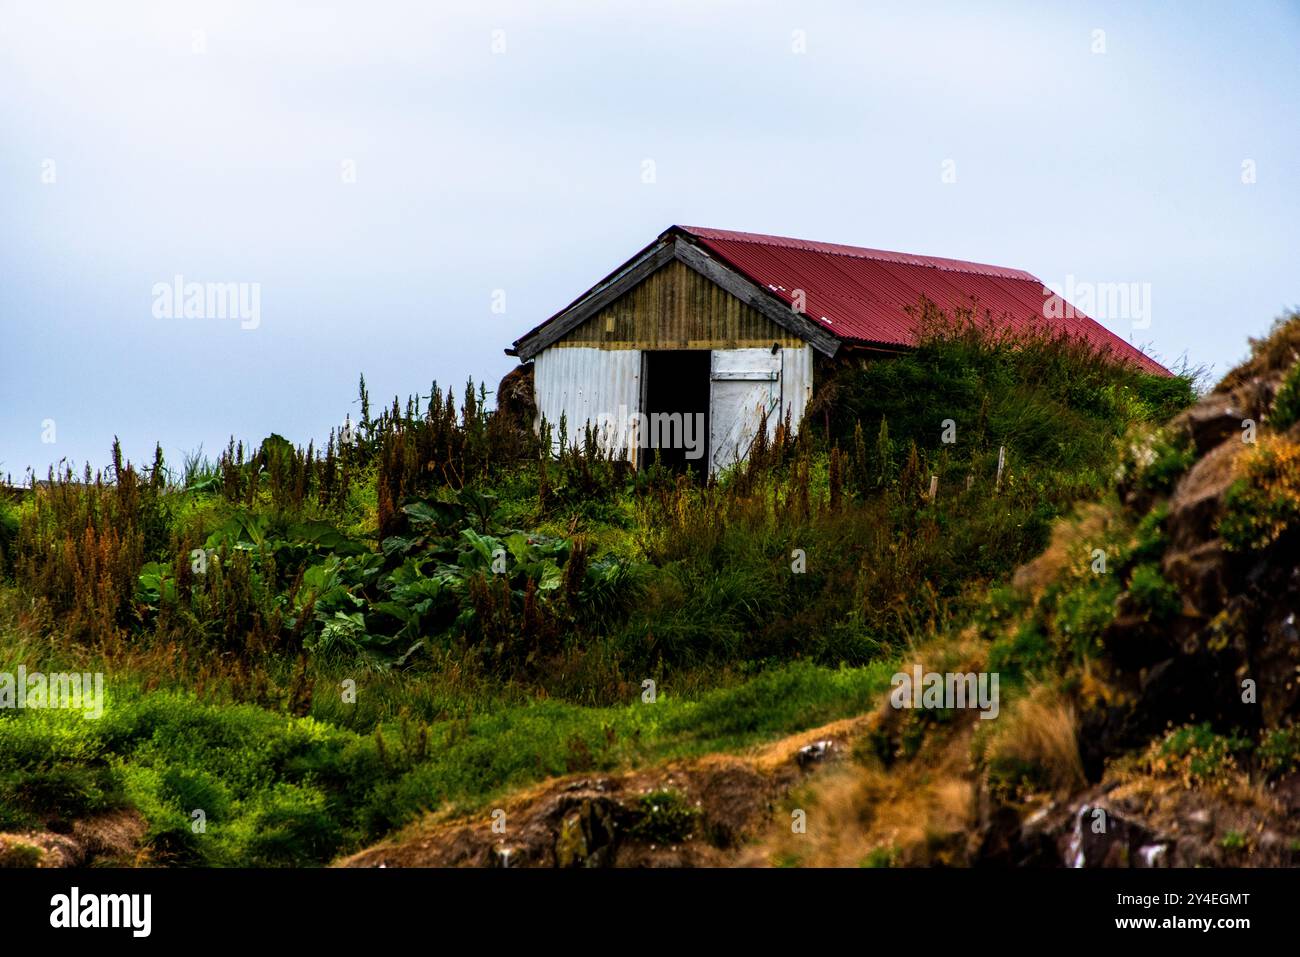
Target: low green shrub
point(1171, 457)
point(1279, 751)
point(1198, 755)
point(1152, 594)
point(1286, 404)
point(1264, 503)
point(664, 817)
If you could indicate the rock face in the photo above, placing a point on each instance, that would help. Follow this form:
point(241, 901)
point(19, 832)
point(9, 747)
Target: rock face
point(1091, 833)
point(1238, 621)
point(588, 832)
point(110, 839)
point(1109, 827)
point(1098, 837)
point(1229, 656)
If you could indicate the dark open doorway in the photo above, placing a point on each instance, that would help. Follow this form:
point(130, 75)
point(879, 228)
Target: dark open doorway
point(677, 409)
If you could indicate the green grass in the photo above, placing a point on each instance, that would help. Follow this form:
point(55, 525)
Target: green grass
point(277, 790)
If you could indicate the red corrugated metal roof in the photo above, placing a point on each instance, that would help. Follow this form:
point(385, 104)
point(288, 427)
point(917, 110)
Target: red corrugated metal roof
point(863, 295)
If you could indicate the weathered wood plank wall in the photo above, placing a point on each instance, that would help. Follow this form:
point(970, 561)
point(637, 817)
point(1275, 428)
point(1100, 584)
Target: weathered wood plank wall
point(677, 308)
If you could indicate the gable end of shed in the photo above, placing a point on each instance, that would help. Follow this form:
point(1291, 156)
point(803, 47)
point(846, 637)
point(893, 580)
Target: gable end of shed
point(675, 295)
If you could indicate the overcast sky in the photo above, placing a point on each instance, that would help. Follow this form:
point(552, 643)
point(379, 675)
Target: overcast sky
point(410, 186)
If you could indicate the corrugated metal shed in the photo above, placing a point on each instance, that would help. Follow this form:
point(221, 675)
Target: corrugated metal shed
point(862, 296)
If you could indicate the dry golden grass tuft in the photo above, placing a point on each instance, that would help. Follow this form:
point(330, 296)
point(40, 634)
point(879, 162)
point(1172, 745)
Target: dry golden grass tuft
point(916, 813)
point(1036, 741)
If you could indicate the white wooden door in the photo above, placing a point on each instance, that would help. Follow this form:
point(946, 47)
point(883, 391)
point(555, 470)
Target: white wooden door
point(744, 384)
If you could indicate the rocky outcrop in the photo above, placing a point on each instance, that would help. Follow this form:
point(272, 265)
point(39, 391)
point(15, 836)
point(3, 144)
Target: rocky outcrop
point(1226, 653)
point(1228, 411)
point(1231, 656)
point(1147, 824)
point(687, 814)
point(112, 839)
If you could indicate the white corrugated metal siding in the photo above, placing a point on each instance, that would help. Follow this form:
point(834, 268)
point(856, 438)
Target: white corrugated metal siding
point(796, 382)
point(597, 386)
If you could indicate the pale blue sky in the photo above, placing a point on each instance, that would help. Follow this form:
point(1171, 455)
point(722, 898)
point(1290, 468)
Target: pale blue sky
point(522, 171)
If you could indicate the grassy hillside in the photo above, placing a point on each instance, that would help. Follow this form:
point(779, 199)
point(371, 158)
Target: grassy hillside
point(313, 648)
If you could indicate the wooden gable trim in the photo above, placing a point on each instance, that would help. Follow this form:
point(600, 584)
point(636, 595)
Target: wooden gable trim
point(632, 273)
point(654, 257)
